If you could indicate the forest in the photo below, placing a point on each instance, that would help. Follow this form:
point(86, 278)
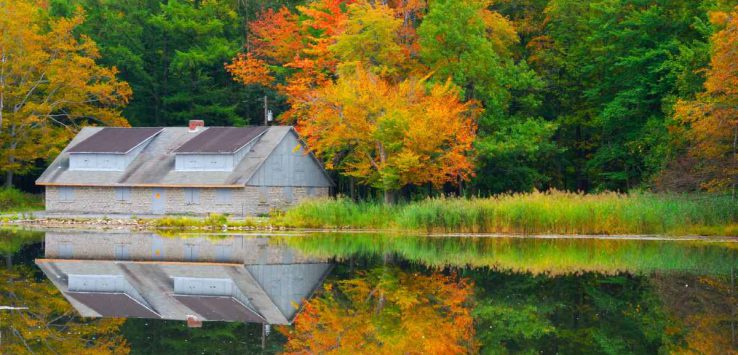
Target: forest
point(476, 97)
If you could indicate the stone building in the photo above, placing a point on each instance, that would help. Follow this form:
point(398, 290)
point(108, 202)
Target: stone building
point(183, 170)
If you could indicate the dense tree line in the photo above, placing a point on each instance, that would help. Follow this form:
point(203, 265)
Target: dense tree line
point(506, 95)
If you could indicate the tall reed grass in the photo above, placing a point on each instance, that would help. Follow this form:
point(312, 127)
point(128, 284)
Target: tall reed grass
point(531, 213)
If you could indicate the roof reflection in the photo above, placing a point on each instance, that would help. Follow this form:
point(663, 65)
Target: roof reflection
point(224, 278)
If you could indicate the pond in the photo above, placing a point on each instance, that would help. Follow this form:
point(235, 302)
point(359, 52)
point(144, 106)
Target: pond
point(149, 293)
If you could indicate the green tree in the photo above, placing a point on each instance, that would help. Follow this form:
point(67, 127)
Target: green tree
point(474, 46)
point(172, 54)
point(615, 67)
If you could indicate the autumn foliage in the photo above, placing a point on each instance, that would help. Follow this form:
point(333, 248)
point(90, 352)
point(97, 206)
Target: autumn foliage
point(359, 94)
point(50, 324)
point(387, 311)
point(247, 70)
point(391, 135)
point(713, 116)
point(50, 84)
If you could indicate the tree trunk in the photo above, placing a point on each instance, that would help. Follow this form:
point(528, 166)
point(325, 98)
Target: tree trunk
point(389, 196)
point(461, 186)
point(352, 191)
point(735, 159)
point(9, 261)
point(2, 88)
point(8, 179)
point(11, 157)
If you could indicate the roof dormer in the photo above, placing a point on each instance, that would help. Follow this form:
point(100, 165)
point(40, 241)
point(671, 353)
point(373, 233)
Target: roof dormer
point(216, 148)
point(110, 149)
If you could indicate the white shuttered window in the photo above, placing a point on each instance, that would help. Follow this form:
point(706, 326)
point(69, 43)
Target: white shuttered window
point(123, 194)
point(192, 196)
point(223, 196)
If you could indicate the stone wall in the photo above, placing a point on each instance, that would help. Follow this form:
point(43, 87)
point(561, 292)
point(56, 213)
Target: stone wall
point(250, 200)
point(147, 246)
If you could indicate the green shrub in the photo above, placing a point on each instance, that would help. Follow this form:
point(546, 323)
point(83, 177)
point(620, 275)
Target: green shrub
point(177, 222)
point(13, 200)
point(216, 220)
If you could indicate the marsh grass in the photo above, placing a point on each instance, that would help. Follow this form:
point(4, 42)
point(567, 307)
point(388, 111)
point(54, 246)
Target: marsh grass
point(531, 213)
point(13, 200)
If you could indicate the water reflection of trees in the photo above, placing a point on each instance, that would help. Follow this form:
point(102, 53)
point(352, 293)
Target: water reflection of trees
point(584, 313)
point(49, 325)
point(534, 255)
point(393, 295)
point(12, 241)
point(571, 296)
point(146, 336)
point(385, 310)
point(703, 309)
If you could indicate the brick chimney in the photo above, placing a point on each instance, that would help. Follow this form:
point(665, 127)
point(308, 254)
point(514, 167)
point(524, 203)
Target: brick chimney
point(193, 322)
point(196, 125)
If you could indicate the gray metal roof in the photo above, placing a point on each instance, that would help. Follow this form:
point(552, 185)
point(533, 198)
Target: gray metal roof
point(113, 304)
point(153, 281)
point(219, 307)
point(154, 166)
point(116, 140)
point(221, 140)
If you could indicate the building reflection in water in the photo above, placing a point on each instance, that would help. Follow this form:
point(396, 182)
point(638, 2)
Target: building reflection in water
point(224, 278)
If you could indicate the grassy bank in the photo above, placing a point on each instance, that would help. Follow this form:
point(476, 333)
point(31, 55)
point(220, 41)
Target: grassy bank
point(533, 213)
point(12, 200)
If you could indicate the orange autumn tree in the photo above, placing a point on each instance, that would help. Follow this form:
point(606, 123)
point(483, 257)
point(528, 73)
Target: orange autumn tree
point(387, 311)
point(713, 117)
point(391, 135)
point(50, 84)
point(359, 94)
point(297, 44)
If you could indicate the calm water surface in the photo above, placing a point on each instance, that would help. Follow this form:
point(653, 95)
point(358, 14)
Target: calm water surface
point(97, 292)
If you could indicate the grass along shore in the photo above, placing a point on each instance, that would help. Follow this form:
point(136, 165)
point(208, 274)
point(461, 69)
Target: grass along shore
point(13, 200)
point(530, 213)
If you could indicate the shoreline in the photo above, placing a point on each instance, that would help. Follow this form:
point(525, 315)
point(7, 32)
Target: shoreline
point(263, 226)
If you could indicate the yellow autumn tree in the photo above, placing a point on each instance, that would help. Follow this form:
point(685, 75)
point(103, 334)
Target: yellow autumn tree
point(50, 85)
point(387, 311)
point(713, 117)
point(372, 37)
point(391, 135)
